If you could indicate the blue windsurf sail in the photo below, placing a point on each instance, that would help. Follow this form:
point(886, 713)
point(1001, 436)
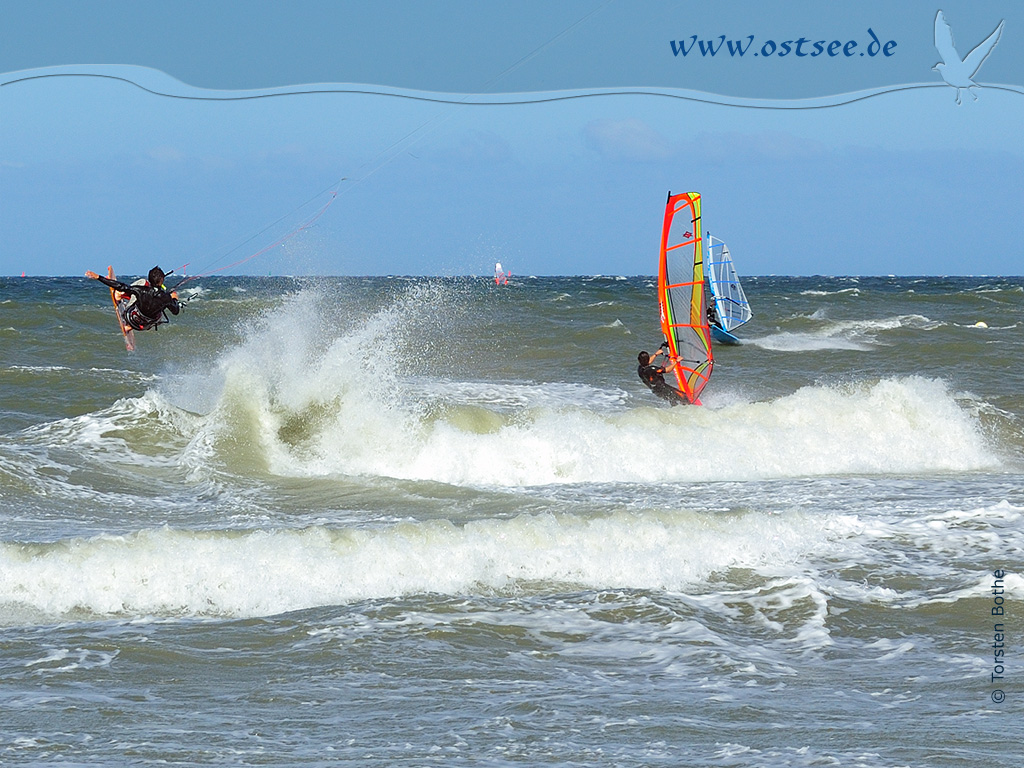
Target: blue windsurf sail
point(731, 308)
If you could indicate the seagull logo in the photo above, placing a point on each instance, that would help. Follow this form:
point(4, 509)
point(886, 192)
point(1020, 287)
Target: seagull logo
point(955, 71)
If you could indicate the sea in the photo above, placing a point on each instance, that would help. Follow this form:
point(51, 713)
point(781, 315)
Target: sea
point(380, 521)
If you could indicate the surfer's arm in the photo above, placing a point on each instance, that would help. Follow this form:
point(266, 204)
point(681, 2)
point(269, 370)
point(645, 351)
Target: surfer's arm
point(116, 285)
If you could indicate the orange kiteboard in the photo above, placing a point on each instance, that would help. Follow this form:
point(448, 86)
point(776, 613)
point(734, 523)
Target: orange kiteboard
point(115, 296)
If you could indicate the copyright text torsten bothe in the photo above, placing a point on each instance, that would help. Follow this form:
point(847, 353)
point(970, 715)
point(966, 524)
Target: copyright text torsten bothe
point(998, 634)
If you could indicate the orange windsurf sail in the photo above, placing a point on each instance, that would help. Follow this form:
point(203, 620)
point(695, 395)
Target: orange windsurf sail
point(684, 316)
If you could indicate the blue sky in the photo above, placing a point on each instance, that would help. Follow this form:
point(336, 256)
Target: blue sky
point(97, 171)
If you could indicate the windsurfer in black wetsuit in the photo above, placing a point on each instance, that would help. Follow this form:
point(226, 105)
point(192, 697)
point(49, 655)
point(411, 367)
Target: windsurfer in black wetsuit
point(713, 315)
point(143, 303)
point(654, 376)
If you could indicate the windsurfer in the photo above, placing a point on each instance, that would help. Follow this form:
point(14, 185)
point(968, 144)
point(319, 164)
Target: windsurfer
point(712, 315)
point(142, 305)
point(654, 375)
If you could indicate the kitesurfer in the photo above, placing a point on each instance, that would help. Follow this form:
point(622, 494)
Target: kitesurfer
point(143, 304)
point(654, 375)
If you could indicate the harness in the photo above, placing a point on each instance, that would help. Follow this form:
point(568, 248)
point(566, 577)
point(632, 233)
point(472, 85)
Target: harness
point(651, 375)
point(133, 317)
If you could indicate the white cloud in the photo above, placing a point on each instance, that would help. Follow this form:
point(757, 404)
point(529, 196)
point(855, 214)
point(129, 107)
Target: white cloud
point(630, 140)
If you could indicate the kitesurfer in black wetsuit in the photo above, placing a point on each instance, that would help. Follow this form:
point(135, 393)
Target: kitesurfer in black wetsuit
point(654, 376)
point(142, 304)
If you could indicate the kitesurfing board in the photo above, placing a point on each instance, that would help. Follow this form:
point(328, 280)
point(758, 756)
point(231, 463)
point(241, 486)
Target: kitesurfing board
point(129, 334)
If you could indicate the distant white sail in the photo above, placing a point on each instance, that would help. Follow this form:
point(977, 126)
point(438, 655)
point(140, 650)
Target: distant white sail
point(500, 278)
point(731, 303)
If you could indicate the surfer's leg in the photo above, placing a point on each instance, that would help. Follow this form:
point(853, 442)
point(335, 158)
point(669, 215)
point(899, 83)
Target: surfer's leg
point(124, 310)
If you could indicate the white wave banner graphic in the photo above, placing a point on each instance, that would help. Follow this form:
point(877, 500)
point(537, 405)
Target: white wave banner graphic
point(161, 84)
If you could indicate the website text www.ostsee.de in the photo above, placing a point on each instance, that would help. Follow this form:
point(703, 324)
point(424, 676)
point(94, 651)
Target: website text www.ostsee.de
point(801, 47)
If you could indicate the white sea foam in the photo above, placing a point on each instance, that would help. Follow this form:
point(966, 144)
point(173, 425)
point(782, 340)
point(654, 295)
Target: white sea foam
point(929, 548)
point(1012, 585)
point(174, 572)
point(67, 660)
point(46, 368)
point(102, 435)
point(894, 426)
point(860, 335)
point(118, 372)
point(305, 404)
point(852, 291)
point(789, 341)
